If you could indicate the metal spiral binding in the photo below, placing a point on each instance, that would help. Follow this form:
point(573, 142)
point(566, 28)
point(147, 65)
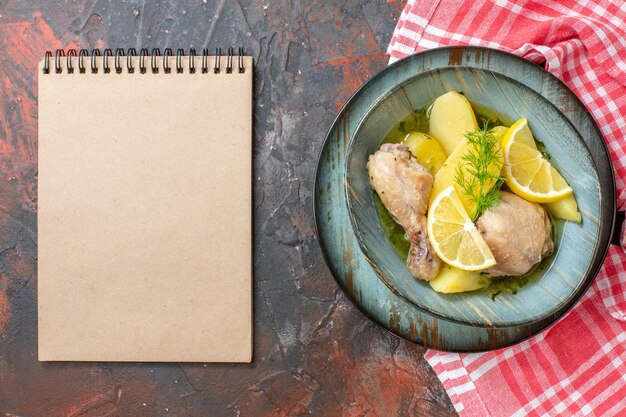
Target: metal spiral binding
point(192, 61)
point(57, 60)
point(240, 65)
point(131, 53)
point(68, 64)
point(218, 60)
point(205, 57)
point(142, 63)
point(166, 60)
point(119, 52)
point(81, 65)
point(105, 60)
point(229, 61)
point(179, 66)
point(155, 52)
point(94, 66)
point(46, 62)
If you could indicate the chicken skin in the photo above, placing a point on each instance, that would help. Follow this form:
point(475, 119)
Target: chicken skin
point(404, 186)
point(519, 234)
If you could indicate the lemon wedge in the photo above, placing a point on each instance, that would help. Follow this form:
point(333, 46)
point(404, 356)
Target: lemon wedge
point(454, 236)
point(499, 131)
point(526, 171)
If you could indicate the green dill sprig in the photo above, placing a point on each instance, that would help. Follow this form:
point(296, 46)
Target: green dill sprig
point(473, 176)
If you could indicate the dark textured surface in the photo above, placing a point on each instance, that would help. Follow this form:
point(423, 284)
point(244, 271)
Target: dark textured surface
point(315, 354)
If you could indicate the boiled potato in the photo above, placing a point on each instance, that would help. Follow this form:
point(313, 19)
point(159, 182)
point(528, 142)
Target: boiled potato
point(446, 176)
point(426, 149)
point(566, 209)
point(453, 280)
point(451, 116)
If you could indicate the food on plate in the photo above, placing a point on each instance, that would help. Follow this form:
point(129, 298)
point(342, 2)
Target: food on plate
point(473, 168)
point(451, 117)
point(426, 149)
point(527, 171)
point(519, 234)
point(498, 132)
point(454, 236)
point(403, 186)
point(453, 280)
point(566, 209)
point(474, 197)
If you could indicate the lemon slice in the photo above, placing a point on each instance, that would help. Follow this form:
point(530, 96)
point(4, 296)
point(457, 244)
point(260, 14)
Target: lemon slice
point(526, 171)
point(523, 134)
point(499, 131)
point(454, 236)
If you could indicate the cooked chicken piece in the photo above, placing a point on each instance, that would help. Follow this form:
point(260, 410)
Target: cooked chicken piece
point(403, 186)
point(518, 232)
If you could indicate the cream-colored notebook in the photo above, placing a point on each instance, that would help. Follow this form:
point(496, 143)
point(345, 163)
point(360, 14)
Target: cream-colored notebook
point(144, 207)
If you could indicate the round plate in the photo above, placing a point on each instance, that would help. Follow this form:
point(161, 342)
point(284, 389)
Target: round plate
point(559, 276)
point(353, 271)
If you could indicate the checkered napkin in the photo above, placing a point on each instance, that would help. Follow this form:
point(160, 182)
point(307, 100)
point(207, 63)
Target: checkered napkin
point(578, 366)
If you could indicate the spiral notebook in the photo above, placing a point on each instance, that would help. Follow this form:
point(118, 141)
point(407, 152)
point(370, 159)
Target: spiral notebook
point(144, 206)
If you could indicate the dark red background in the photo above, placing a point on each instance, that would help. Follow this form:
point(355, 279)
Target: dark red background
point(315, 353)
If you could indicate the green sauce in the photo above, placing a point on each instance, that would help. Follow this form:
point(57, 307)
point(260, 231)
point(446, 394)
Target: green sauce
point(394, 232)
point(418, 122)
point(413, 122)
point(484, 115)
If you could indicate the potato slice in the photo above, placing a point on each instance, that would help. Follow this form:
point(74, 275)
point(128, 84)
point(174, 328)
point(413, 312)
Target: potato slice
point(446, 176)
point(454, 280)
point(566, 209)
point(426, 149)
point(451, 116)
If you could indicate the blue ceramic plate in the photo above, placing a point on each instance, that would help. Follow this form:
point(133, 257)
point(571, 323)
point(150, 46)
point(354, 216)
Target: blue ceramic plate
point(379, 285)
point(561, 277)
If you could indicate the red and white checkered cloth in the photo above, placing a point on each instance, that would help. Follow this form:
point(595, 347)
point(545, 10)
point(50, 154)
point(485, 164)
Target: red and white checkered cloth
point(577, 366)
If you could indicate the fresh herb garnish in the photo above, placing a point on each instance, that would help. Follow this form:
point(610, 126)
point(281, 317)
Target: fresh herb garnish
point(483, 165)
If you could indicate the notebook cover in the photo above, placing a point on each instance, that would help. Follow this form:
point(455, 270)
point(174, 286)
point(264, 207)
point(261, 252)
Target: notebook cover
point(145, 215)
